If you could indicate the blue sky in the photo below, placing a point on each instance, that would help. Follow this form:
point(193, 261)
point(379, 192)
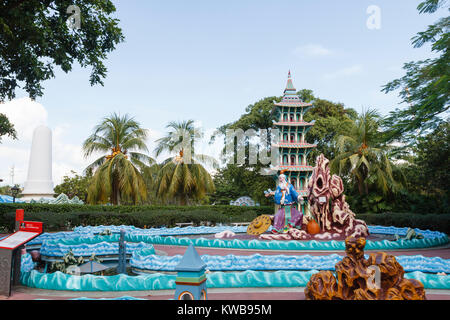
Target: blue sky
point(208, 60)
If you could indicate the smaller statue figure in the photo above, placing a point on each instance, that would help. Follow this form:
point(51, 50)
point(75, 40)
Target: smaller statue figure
point(122, 266)
point(380, 277)
point(286, 197)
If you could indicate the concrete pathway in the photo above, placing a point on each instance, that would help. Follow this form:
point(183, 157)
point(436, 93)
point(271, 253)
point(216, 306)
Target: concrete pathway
point(25, 293)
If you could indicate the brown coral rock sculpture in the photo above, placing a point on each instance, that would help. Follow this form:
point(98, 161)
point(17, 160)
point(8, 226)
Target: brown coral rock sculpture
point(327, 202)
point(380, 277)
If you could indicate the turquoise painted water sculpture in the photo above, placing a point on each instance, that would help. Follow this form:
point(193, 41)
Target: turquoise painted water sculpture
point(86, 246)
point(158, 281)
point(144, 260)
point(166, 236)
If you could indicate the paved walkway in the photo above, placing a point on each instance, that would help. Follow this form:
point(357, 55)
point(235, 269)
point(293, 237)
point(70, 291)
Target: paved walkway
point(25, 293)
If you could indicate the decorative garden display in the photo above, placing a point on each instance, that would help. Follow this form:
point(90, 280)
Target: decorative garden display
point(244, 201)
point(292, 146)
point(313, 227)
point(259, 225)
point(330, 215)
point(327, 202)
point(191, 278)
point(378, 278)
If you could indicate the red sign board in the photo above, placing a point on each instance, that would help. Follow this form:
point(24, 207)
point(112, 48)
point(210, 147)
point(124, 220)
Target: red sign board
point(19, 214)
point(31, 226)
point(17, 239)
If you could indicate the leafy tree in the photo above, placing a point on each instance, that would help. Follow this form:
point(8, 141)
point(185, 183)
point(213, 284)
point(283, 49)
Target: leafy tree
point(183, 182)
point(117, 176)
point(182, 137)
point(7, 190)
point(35, 37)
point(429, 169)
point(331, 120)
point(182, 177)
point(426, 84)
point(75, 185)
point(232, 181)
point(6, 127)
point(363, 157)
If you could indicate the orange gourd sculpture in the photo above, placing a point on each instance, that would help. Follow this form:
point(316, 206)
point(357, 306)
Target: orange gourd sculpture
point(313, 227)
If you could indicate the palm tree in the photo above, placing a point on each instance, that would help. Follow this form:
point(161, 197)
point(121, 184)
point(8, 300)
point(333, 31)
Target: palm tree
point(364, 157)
point(118, 174)
point(181, 176)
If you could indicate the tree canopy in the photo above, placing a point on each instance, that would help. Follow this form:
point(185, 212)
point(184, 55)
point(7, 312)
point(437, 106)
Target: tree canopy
point(425, 87)
point(35, 37)
point(118, 175)
point(6, 127)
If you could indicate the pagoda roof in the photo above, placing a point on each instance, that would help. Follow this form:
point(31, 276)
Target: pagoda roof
point(294, 145)
point(290, 97)
point(294, 123)
point(191, 261)
point(289, 85)
point(286, 103)
point(294, 168)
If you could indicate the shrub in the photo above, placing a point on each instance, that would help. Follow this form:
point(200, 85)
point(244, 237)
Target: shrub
point(434, 222)
point(60, 217)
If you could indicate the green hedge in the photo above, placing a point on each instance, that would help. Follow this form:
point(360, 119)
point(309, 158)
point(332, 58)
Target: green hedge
point(59, 217)
point(59, 208)
point(434, 222)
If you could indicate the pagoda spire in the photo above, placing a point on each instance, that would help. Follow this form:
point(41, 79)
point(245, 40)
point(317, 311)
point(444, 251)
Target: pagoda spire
point(289, 85)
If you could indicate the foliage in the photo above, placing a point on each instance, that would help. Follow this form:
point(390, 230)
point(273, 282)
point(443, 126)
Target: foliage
point(35, 37)
point(429, 172)
point(435, 222)
point(55, 217)
point(181, 139)
point(426, 84)
point(234, 181)
point(182, 178)
point(74, 186)
point(183, 182)
point(363, 157)
point(117, 176)
point(7, 191)
point(6, 128)
point(331, 120)
point(69, 260)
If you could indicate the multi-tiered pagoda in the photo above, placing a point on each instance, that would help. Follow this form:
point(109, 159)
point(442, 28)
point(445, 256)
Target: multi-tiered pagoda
point(293, 149)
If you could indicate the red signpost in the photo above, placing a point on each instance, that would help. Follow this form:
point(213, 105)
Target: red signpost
point(10, 251)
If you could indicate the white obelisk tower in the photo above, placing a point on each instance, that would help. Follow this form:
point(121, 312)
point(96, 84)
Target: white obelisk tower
point(39, 182)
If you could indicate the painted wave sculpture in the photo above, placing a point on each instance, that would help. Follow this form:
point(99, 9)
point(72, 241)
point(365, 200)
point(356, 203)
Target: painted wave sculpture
point(58, 249)
point(165, 236)
point(158, 281)
point(140, 260)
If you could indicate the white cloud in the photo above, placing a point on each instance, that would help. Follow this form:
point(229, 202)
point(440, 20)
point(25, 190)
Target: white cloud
point(312, 50)
point(26, 115)
point(344, 72)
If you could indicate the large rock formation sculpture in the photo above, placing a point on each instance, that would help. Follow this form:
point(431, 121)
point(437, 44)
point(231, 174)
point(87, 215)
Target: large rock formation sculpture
point(378, 278)
point(327, 203)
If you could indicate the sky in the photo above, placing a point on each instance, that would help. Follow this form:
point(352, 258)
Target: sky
point(209, 60)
